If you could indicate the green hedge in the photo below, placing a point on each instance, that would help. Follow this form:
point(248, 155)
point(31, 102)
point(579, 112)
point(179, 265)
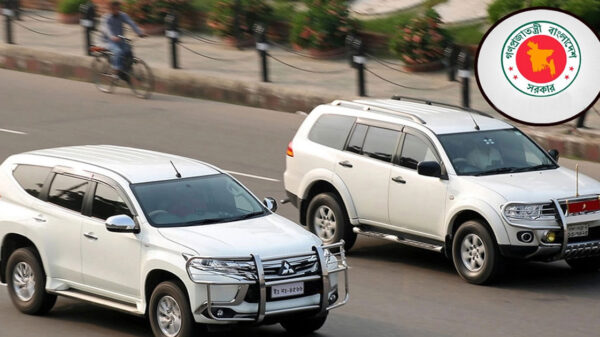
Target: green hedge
point(70, 6)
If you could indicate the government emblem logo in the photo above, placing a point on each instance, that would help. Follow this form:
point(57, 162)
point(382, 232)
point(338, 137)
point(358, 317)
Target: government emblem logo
point(539, 66)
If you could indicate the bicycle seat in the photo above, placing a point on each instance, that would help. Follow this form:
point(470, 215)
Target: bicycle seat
point(98, 49)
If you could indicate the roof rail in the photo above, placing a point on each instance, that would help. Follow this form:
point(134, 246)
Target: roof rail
point(442, 104)
point(366, 107)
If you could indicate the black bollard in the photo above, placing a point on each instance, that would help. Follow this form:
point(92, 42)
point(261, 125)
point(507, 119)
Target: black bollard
point(9, 12)
point(237, 8)
point(359, 60)
point(88, 22)
point(262, 47)
point(449, 61)
point(464, 72)
point(172, 32)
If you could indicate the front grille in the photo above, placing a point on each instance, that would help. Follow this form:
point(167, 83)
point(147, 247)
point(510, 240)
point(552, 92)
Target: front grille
point(549, 211)
point(303, 266)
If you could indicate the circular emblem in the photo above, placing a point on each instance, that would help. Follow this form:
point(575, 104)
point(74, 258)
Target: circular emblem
point(548, 64)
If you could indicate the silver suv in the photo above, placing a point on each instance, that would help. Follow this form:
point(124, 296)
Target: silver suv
point(437, 177)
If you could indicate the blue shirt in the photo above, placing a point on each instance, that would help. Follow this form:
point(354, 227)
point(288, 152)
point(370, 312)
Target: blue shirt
point(112, 25)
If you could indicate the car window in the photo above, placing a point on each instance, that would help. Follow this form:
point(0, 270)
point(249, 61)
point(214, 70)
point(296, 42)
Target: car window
point(357, 139)
point(414, 151)
point(381, 143)
point(332, 130)
point(31, 178)
point(107, 202)
point(68, 192)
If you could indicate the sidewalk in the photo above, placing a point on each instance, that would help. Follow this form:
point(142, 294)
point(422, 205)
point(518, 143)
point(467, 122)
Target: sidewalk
point(339, 79)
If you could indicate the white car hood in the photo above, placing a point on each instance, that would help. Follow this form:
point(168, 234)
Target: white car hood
point(266, 236)
point(539, 186)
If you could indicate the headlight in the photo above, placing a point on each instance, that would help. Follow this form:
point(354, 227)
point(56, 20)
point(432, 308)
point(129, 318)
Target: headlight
point(523, 211)
point(199, 268)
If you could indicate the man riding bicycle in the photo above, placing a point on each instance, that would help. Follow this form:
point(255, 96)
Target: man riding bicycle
point(112, 28)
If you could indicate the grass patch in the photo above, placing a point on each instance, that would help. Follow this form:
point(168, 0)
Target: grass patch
point(467, 34)
point(387, 24)
point(204, 6)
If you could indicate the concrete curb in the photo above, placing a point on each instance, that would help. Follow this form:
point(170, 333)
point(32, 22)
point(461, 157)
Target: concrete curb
point(261, 95)
point(168, 81)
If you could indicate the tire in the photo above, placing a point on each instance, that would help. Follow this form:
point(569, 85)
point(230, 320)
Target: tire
point(475, 253)
point(141, 79)
point(304, 325)
point(586, 264)
point(175, 304)
point(103, 74)
point(327, 218)
point(26, 282)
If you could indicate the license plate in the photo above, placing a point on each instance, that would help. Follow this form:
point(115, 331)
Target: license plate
point(287, 290)
point(576, 231)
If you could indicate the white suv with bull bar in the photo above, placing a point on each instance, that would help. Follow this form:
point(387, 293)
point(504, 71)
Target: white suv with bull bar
point(438, 177)
point(153, 234)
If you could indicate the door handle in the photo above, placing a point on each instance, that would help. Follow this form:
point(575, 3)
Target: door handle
point(90, 236)
point(399, 180)
point(346, 163)
point(39, 218)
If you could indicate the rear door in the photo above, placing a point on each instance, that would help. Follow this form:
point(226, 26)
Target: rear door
point(365, 167)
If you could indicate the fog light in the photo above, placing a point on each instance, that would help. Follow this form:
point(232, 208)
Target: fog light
point(526, 237)
point(220, 313)
point(550, 237)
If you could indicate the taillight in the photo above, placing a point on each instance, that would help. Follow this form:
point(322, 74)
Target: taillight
point(290, 150)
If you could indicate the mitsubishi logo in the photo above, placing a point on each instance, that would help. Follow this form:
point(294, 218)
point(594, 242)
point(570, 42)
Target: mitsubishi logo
point(584, 206)
point(286, 269)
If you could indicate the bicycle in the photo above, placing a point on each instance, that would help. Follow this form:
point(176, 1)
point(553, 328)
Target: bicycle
point(137, 73)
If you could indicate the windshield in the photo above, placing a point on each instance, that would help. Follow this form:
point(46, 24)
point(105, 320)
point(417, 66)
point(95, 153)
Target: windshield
point(196, 201)
point(494, 152)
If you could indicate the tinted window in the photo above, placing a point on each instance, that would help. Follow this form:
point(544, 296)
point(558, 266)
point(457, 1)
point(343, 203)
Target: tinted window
point(331, 130)
point(108, 202)
point(358, 137)
point(68, 192)
point(196, 201)
point(381, 143)
point(415, 151)
point(31, 178)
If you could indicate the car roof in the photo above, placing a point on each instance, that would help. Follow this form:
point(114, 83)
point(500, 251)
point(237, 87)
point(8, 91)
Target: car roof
point(135, 165)
point(440, 119)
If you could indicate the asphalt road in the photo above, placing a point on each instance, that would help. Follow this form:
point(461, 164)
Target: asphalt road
point(396, 290)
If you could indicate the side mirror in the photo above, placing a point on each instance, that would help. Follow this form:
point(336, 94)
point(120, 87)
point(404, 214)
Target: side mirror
point(429, 169)
point(554, 154)
point(270, 204)
point(122, 224)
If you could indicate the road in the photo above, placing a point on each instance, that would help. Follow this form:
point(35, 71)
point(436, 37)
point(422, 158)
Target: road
point(396, 290)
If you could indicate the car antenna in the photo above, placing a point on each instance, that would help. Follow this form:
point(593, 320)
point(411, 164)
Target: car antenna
point(177, 174)
point(474, 121)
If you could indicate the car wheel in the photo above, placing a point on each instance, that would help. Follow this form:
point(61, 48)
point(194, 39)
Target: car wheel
point(169, 312)
point(327, 218)
point(586, 264)
point(303, 326)
point(26, 282)
point(475, 253)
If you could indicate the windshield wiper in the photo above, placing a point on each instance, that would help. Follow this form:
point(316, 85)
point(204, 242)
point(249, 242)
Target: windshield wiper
point(537, 168)
point(497, 171)
point(246, 216)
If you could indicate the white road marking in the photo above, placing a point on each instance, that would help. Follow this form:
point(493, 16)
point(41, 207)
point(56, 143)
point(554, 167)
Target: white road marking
point(252, 176)
point(13, 131)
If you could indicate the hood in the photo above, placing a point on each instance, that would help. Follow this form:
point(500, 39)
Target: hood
point(266, 236)
point(538, 186)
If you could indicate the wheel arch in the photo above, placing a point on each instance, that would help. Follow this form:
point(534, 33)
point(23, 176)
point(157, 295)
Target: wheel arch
point(156, 277)
point(324, 186)
point(10, 243)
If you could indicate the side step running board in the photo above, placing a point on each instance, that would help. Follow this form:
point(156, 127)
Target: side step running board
point(399, 239)
point(101, 301)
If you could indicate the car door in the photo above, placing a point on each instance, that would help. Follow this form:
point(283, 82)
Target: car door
point(365, 166)
point(416, 202)
point(61, 215)
point(110, 261)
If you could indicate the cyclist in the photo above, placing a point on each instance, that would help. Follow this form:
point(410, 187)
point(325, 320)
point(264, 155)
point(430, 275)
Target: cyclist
point(113, 27)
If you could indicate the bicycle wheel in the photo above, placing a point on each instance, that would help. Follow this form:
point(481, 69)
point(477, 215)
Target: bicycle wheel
point(103, 74)
point(141, 79)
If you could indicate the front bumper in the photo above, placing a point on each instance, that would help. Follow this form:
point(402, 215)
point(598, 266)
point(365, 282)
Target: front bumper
point(252, 303)
point(564, 247)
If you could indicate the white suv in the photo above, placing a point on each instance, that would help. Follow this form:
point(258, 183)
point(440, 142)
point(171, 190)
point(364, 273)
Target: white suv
point(435, 177)
point(159, 235)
